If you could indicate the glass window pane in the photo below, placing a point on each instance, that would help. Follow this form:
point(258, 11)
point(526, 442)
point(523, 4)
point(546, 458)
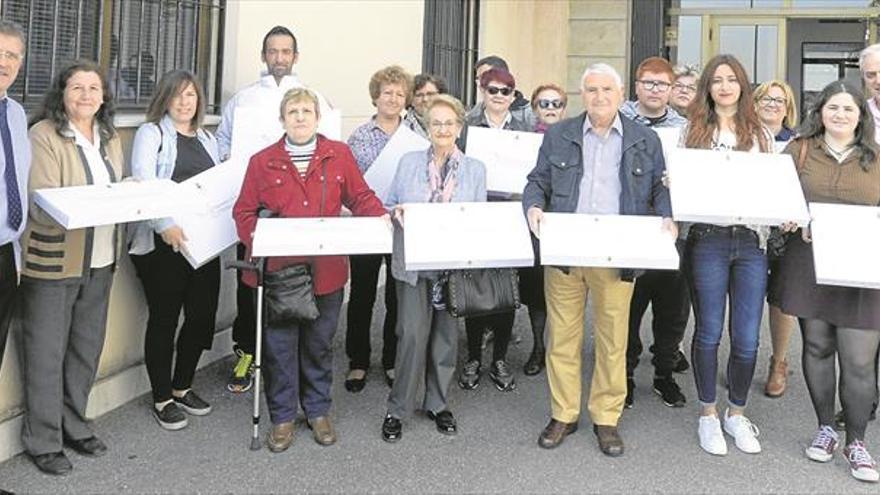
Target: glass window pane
point(765, 65)
point(731, 4)
point(829, 4)
point(690, 40)
point(739, 41)
point(716, 4)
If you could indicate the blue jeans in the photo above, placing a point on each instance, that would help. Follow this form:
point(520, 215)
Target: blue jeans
point(725, 262)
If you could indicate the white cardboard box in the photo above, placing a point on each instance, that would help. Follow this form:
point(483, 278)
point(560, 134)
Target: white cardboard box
point(616, 241)
point(509, 156)
point(321, 236)
point(90, 206)
point(846, 243)
point(440, 236)
point(735, 187)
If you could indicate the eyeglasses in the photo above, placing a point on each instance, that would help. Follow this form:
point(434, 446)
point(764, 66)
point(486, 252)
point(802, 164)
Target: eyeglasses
point(435, 124)
point(684, 88)
point(425, 95)
point(494, 90)
point(545, 104)
point(11, 56)
point(652, 85)
point(766, 101)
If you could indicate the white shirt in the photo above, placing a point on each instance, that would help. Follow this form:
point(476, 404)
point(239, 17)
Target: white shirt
point(102, 242)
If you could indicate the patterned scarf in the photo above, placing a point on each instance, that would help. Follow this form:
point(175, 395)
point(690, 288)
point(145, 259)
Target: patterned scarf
point(443, 179)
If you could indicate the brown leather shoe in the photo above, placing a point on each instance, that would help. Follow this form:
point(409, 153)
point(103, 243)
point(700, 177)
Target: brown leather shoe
point(555, 432)
point(322, 430)
point(609, 440)
point(777, 377)
point(281, 436)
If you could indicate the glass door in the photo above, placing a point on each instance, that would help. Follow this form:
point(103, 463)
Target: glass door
point(758, 43)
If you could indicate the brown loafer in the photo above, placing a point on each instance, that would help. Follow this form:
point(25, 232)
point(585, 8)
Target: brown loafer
point(555, 432)
point(281, 436)
point(322, 430)
point(610, 442)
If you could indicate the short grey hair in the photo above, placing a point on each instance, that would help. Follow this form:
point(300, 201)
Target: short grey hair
point(867, 52)
point(10, 28)
point(686, 70)
point(602, 68)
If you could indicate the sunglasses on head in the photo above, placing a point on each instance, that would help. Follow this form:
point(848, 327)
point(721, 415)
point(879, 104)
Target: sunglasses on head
point(494, 90)
point(545, 104)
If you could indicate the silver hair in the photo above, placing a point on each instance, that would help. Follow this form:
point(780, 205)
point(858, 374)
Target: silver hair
point(602, 68)
point(867, 52)
point(10, 28)
point(685, 70)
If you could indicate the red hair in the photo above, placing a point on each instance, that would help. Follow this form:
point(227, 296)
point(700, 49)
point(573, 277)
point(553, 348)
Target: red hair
point(497, 75)
point(704, 120)
point(656, 65)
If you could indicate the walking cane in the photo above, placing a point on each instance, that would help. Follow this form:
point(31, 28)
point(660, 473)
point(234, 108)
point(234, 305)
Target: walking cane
point(258, 265)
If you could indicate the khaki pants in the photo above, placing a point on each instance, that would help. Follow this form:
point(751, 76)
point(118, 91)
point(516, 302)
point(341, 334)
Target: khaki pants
point(566, 302)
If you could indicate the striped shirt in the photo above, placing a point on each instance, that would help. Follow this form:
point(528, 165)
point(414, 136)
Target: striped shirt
point(301, 154)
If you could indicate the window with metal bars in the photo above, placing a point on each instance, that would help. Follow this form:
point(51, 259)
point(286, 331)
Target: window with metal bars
point(134, 41)
point(450, 44)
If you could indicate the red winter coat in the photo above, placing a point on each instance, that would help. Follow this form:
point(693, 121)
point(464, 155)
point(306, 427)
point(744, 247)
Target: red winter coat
point(272, 182)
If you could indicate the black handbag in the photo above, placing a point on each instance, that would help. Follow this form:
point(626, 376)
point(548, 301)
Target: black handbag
point(482, 291)
point(289, 295)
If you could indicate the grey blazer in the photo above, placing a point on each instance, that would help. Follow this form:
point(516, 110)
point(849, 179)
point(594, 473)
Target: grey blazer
point(410, 185)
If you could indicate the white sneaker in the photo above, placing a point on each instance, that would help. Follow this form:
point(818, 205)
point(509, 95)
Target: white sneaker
point(743, 431)
point(711, 438)
point(824, 444)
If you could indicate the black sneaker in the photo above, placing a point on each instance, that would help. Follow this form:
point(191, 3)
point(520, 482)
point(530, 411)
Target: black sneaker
point(170, 417)
point(391, 429)
point(501, 376)
point(630, 388)
point(680, 364)
point(193, 404)
point(669, 391)
point(469, 378)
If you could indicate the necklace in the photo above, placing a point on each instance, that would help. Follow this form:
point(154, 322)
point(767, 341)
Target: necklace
point(837, 154)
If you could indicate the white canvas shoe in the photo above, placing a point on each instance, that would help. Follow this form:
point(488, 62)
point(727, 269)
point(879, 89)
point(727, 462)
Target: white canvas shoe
point(711, 438)
point(743, 432)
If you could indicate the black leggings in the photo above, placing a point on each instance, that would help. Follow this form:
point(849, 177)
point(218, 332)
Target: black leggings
point(855, 351)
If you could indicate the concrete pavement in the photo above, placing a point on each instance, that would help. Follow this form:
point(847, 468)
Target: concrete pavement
point(495, 450)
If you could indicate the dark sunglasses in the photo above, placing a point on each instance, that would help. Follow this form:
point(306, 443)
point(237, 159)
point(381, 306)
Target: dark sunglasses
point(545, 104)
point(493, 90)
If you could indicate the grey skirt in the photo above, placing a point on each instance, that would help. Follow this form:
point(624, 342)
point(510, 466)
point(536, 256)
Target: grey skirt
point(793, 287)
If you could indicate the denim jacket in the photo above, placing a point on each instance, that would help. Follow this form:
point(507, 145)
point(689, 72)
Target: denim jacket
point(554, 184)
point(410, 185)
point(153, 156)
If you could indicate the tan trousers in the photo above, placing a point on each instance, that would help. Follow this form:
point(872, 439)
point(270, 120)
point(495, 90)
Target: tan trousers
point(566, 296)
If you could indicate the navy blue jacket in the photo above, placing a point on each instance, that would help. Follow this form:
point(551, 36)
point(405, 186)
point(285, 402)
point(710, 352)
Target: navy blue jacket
point(554, 184)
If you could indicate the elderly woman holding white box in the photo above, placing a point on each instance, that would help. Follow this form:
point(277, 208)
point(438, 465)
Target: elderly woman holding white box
point(427, 334)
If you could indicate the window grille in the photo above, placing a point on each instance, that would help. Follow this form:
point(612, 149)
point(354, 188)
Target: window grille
point(450, 44)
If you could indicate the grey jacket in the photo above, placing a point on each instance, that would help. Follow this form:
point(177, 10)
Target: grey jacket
point(410, 185)
point(554, 184)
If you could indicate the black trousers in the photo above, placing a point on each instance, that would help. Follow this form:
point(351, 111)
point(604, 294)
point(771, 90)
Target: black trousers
point(171, 284)
point(8, 289)
point(244, 328)
point(364, 276)
point(667, 293)
point(500, 323)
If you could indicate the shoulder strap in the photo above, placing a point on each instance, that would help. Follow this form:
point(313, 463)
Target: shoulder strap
point(161, 137)
point(802, 156)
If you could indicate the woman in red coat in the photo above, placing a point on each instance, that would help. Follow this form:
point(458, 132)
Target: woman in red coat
point(290, 178)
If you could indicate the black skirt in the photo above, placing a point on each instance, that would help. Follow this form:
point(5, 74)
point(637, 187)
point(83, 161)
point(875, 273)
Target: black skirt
point(794, 289)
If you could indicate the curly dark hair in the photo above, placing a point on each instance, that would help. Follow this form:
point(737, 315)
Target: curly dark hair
point(863, 141)
point(52, 107)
